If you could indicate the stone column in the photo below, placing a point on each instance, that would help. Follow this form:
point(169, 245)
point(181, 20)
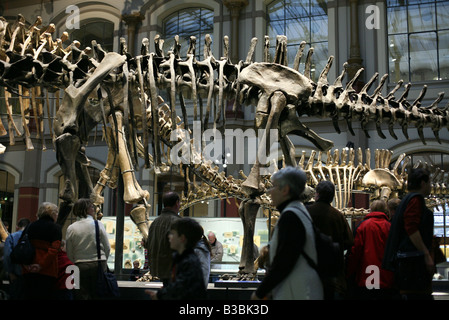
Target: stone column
point(132, 20)
point(235, 6)
point(28, 200)
point(355, 60)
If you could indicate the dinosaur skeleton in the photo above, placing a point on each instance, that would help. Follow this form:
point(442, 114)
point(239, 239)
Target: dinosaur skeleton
point(122, 92)
point(302, 96)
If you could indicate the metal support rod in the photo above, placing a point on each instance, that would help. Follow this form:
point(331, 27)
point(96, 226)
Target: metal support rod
point(119, 227)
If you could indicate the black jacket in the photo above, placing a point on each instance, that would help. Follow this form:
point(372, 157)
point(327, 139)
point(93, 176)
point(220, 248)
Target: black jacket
point(44, 229)
point(187, 281)
point(158, 246)
point(398, 240)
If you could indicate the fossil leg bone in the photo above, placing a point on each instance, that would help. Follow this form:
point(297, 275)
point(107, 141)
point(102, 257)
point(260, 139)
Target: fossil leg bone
point(139, 216)
point(248, 211)
point(67, 146)
point(132, 190)
point(108, 176)
point(278, 103)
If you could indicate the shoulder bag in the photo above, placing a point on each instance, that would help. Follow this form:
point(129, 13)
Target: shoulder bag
point(107, 286)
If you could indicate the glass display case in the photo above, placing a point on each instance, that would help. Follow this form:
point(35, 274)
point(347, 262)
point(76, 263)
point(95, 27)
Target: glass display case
point(229, 231)
point(441, 227)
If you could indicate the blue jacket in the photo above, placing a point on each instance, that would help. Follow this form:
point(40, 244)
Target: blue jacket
point(10, 243)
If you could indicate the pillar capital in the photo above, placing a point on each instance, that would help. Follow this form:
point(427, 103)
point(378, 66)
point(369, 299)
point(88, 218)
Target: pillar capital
point(235, 6)
point(132, 19)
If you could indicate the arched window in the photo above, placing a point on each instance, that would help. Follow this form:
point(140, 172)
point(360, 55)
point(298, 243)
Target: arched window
point(185, 23)
point(7, 182)
point(99, 30)
point(435, 159)
point(300, 20)
point(418, 39)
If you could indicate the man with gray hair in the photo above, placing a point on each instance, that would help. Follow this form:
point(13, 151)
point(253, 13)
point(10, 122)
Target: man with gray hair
point(289, 275)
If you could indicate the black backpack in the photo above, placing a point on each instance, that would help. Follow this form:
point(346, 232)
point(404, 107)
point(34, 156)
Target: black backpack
point(23, 252)
point(329, 256)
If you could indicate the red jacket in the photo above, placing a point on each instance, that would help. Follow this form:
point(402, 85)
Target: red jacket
point(63, 263)
point(368, 249)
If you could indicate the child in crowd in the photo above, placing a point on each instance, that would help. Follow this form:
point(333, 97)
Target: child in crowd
point(187, 277)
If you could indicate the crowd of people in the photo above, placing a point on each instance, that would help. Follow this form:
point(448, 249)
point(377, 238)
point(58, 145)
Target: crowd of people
point(174, 243)
point(46, 277)
point(388, 255)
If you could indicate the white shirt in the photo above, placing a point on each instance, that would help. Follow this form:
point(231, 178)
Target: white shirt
point(81, 244)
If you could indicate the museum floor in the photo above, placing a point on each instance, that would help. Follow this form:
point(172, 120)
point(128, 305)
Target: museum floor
point(231, 290)
point(226, 290)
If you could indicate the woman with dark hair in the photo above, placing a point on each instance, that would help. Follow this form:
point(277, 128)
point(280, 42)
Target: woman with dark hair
point(81, 247)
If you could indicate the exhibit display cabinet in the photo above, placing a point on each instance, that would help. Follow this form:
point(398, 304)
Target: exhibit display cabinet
point(229, 231)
